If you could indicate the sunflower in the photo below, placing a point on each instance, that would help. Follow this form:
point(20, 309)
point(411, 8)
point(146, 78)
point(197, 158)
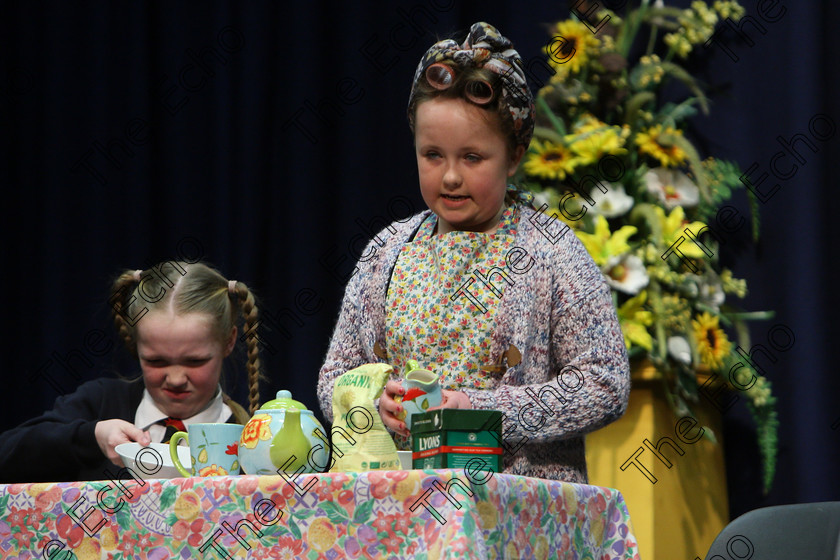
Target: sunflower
point(549, 160)
point(593, 139)
point(712, 343)
point(658, 144)
point(572, 46)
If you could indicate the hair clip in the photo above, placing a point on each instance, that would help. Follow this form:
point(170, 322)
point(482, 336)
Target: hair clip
point(136, 275)
point(232, 287)
point(441, 76)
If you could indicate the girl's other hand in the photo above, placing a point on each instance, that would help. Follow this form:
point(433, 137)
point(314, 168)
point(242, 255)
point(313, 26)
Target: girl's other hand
point(389, 408)
point(453, 399)
point(111, 433)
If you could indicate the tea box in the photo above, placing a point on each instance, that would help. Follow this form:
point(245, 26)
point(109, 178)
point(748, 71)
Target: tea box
point(449, 438)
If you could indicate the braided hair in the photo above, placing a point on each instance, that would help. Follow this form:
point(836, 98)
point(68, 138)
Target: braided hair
point(184, 287)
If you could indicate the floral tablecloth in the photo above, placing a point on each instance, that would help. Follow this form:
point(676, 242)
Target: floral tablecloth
point(379, 514)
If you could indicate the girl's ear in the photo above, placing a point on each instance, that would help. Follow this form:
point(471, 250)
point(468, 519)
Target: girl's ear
point(515, 158)
point(231, 342)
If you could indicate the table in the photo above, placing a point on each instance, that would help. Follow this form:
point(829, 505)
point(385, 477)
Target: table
point(377, 514)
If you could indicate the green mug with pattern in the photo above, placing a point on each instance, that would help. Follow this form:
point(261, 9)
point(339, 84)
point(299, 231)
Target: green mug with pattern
point(214, 449)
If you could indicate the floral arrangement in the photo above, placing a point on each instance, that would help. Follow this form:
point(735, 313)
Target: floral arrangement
point(611, 159)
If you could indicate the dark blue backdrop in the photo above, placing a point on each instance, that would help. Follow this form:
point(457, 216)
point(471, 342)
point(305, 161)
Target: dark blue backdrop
point(269, 138)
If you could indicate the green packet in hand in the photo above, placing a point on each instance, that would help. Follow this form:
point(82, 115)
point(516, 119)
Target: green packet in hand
point(360, 441)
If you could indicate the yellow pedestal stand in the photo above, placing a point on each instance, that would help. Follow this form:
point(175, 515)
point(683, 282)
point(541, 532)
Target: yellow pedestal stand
point(678, 516)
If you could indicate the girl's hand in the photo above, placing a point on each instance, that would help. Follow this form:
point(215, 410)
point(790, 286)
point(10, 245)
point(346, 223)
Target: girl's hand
point(389, 408)
point(453, 399)
point(111, 433)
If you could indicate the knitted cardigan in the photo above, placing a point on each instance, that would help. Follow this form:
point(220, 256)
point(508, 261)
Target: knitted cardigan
point(556, 309)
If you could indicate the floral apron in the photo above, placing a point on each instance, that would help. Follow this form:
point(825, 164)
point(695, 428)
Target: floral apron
point(442, 300)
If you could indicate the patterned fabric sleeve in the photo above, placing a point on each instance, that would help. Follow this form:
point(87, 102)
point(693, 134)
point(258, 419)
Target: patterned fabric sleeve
point(346, 349)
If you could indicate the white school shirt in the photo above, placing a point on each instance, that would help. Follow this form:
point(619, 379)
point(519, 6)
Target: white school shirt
point(148, 415)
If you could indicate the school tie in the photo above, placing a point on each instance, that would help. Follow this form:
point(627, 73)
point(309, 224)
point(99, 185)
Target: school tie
point(172, 425)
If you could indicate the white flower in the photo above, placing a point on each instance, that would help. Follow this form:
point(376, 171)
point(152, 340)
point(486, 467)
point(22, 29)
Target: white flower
point(626, 273)
point(710, 292)
point(679, 349)
point(613, 204)
point(672, 187)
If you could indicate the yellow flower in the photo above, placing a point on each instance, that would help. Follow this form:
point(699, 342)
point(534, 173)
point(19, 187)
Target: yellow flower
point(674, 311)
point(608, 41)
point(634, 320)
point(572, 47)
point(651, 70)
point(673, 227)
point(658, 144)
point(731, 10)
point(549, 160)
point(679, 43)
point(602, 244)
point(588, 123)
point(712, 343)
point(704, 13)
point(732, 285)
point(594, 139)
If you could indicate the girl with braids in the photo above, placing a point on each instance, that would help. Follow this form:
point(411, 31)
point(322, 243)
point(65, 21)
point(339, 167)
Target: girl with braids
point(180, 320)
point(481, 288)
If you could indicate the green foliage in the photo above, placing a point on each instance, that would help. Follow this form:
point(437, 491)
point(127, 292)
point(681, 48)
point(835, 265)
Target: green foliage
point(767, 424)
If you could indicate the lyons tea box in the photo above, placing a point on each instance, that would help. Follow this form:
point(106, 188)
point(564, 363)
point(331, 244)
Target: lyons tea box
point(448, 438)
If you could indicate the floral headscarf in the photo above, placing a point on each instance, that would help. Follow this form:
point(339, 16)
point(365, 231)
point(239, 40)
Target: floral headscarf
point(485, 47)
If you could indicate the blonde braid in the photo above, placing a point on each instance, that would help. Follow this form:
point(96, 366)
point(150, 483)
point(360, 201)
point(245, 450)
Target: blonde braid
point(125, 281)
point(250, 314)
